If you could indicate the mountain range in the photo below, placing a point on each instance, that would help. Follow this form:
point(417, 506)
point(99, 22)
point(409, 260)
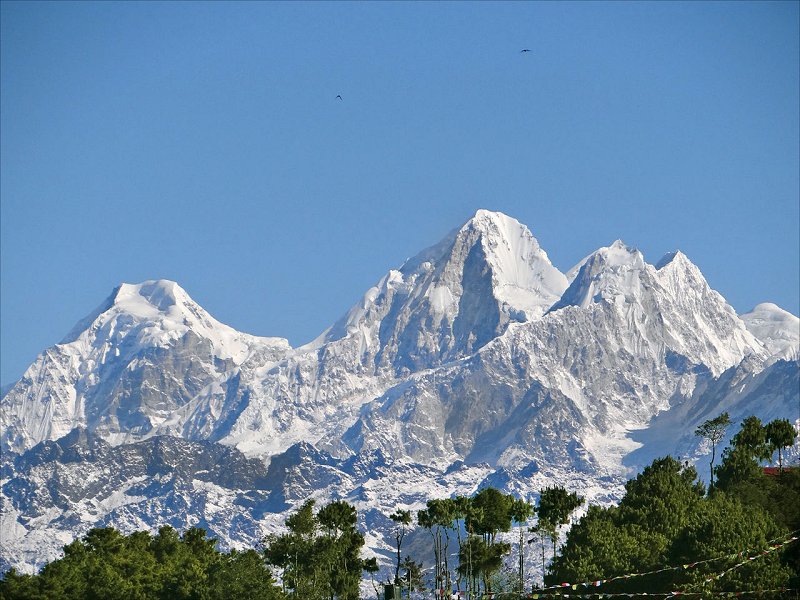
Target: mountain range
point(476, 363)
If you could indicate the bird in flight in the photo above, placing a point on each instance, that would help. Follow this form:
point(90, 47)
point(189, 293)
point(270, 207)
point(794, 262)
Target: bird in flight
point(339, 96)
point(525, 50)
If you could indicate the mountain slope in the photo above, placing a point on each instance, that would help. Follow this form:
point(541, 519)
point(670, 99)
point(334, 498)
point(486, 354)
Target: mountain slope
point(776, 328)
point(475, 363)
point(566, 389)
point(454, 297)
point(146, 356)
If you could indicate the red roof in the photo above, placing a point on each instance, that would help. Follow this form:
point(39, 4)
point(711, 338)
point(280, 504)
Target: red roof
point(775, 471)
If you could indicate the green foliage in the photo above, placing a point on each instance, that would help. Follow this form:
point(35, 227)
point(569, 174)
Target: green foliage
point(556, 505)
point(241, 575)
point(491, 512)
point(105, 564)
point(479, 559)
point(439, 517)
point(738, 467)
point(320, 555)
point(635, 535)
point(665, 519)
point(722, 526)
point(713, 430)
point(780, 434)
point(403, 520)
point(752, 437)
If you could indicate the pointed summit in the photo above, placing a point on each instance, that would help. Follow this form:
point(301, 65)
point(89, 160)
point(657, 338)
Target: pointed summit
point(606, 273)
point(522, 275)
point(158, 311)
point(456, 296)
point(669, 257)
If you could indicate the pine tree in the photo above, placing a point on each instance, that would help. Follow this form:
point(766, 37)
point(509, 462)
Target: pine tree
point(713, 430)
point(402, 519)
point(780, 434)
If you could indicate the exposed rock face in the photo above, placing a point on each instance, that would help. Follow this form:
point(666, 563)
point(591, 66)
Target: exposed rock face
point(475, 363)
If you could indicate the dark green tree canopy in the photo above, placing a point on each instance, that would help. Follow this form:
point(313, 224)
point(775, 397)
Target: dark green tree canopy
point(713, 430)
point(780, 434)
point(106, 565)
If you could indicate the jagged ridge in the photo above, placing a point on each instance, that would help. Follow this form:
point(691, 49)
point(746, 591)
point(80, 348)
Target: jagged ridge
point(477, 361)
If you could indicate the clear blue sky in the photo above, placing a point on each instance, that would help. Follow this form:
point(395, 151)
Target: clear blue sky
point(203, 143)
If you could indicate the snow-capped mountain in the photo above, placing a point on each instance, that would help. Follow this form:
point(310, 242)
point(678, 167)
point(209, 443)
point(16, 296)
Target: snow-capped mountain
point(605, 359)
point(452, 299)
point(141, 362)
point(776, 328)
point(475, 363)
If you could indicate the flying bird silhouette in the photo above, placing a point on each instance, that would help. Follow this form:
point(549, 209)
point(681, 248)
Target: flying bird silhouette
point(339, 96)
point(525, 50)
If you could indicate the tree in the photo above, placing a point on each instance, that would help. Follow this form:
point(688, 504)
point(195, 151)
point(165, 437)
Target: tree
point(752, 437)
point(343, 544)
point(713, 430)
point(665, 518)
point(403, 519)
point(461, 507)
point(488, 514)
point(521, 511)
point(412, 575)
point(737, 469)
point(740, 466)
point(780, 434)
point(320, 554)
point(241, 575)
point(722, 526)
point(371, 566)
point(543, 531)
point(107, 564)
point(14, 585)
point(438, 518)
point(479, 559)
point(493, 513)
point(555, 507)
point(294, 551)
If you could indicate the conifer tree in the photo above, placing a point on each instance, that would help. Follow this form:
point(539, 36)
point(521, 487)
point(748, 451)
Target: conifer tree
point(556, 505)
point(780, 435)
point(521, 511)
point(713, 430)
point(402, 519)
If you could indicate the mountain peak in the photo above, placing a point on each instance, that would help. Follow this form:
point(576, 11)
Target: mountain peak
point(522, 275)
point(160, 310)
point(607, 271)
point(146, 300)
point(494, 225)
point(455, 296)
point(484, 216)
point(777, 329)
point(619, 253)
point(158, 294)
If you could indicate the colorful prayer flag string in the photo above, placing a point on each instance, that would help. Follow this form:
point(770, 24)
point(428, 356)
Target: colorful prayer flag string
point(664, 595)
